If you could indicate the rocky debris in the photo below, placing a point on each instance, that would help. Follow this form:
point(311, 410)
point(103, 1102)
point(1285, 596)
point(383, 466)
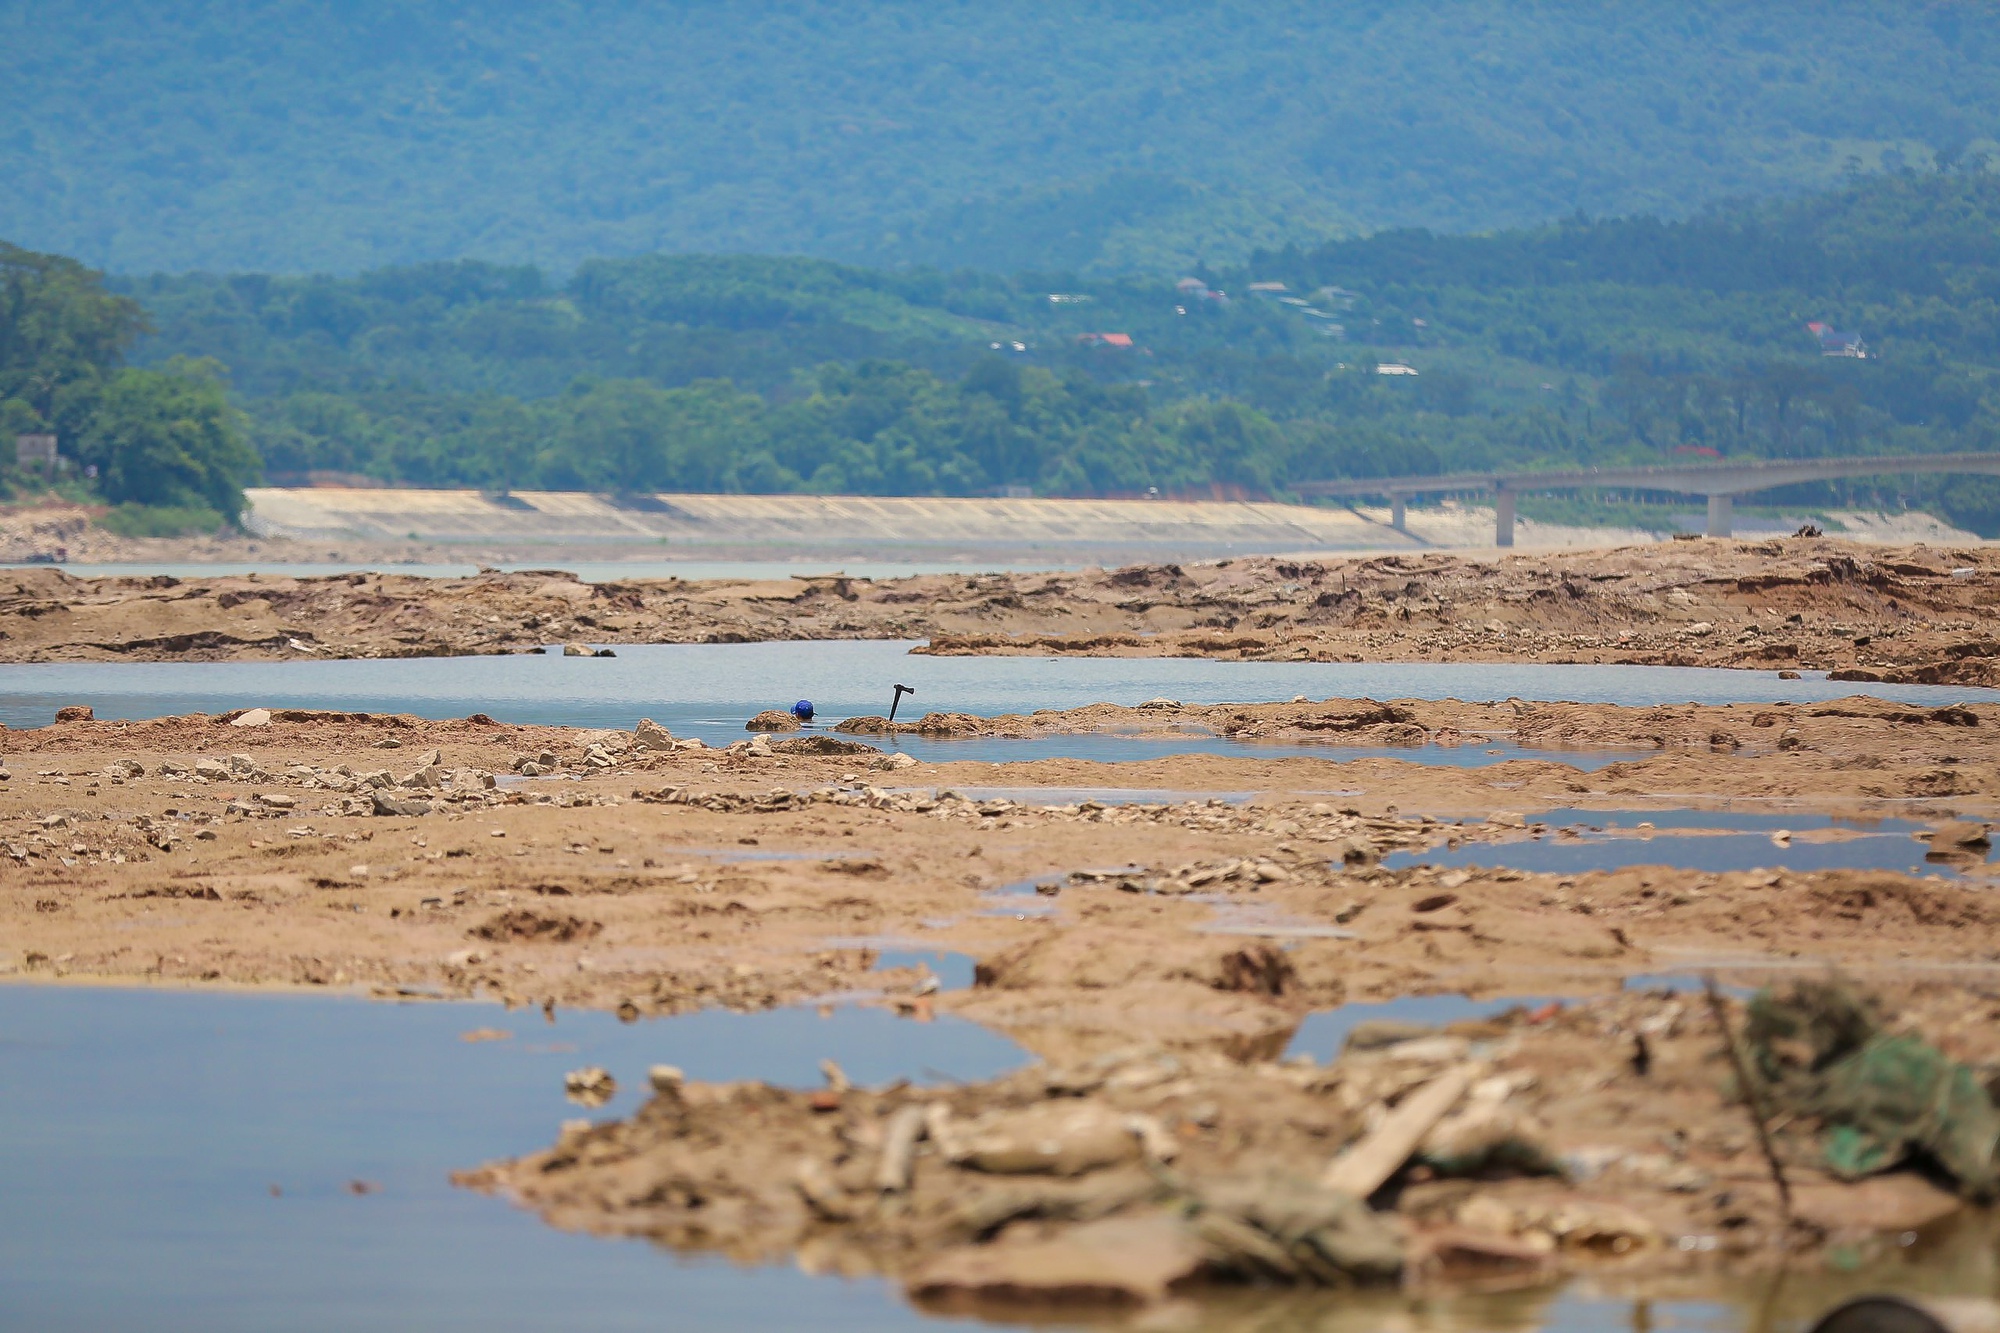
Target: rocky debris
point(1960, 839)
point(1862, 612)
point(821, 744)
point(773, 719)
point(383, 804)
point(1420, 1154)
point(254, 717)
point(650, 735)
point(585, 650)
point(590, 1086)
point(75, 713)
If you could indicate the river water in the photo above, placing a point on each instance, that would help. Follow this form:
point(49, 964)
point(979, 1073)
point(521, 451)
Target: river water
point(179, 1160)
point(709, 690)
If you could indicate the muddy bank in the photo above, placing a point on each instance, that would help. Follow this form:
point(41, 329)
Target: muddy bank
point(1157, 957)
point(633, 871)
point(1916, 614)
point(1601, 1137)
point(1854, 747)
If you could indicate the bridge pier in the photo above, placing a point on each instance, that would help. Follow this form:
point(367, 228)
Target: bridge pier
point(1503, 517)
point(1721, 509)
point(1396, 514)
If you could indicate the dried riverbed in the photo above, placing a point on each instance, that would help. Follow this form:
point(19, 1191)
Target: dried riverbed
point(1155, 956)
point(1910, 614)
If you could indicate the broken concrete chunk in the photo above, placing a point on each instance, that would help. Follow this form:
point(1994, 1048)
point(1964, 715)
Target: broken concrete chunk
point(393, 805)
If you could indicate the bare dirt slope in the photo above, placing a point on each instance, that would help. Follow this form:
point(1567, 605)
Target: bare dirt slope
point(1873, 613)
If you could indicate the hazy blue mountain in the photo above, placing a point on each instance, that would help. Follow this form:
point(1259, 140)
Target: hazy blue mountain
point(300, 135)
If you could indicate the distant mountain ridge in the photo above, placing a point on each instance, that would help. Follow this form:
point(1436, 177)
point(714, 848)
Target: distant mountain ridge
point(294, 135)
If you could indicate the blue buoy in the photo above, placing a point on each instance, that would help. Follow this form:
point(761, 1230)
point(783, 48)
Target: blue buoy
point(803, 710)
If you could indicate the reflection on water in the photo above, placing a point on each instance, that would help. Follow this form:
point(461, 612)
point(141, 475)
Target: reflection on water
point(142, 1134)
point(176, 1160)
point(1580, 841)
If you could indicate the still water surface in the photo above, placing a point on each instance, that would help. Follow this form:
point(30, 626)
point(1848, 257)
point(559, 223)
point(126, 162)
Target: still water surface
point(142, 1134)
point(708, 690)
point(184, 1161)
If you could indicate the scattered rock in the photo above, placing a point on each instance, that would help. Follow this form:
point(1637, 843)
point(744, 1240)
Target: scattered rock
point(255, 717)
point(772, 719)
point(590, 1086)
point(392, 805)
point(75, 713)
point(1961, 838)
point(650, 735)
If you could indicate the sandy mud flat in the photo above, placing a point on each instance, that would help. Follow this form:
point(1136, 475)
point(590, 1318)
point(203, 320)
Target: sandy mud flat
point(1156, 955)
point(1915, 614)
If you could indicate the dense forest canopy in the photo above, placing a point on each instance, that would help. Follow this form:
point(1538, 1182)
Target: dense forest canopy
point(296, 135)
point(165, 438)
point(1617, 340)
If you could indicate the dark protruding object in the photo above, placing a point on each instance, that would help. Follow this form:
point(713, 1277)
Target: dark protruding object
point(1746, 1088)
point(901, 690)
point(1809, 530)
point(803, 710)
point(1901, 1314)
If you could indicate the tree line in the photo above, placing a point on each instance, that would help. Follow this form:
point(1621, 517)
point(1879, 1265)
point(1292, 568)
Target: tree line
point(1612, 341)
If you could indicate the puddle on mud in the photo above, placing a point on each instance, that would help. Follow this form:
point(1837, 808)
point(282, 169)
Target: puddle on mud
point(953, 970)
point(141, 1133)
point(1716, 841)
point(180, 1160)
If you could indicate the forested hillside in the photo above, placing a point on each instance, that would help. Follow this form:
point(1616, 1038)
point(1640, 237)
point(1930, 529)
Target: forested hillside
point(1581, 342)
point(294, 135)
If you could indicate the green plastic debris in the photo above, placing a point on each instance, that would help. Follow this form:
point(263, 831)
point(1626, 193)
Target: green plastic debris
point(1881, 1097)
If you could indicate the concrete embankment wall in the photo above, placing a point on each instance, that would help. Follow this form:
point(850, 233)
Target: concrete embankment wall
point(799, 522)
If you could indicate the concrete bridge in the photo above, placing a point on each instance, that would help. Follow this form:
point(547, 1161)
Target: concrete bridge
point(1720, 482)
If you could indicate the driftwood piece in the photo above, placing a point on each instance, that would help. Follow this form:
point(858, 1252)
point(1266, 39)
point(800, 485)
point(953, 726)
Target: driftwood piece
point(1362, 1169)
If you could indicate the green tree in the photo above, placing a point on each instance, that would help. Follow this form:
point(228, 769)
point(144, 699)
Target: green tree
point(170, 438)
point(61, 336)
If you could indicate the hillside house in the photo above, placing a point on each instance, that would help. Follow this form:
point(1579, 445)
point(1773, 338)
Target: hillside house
point(1832, 342)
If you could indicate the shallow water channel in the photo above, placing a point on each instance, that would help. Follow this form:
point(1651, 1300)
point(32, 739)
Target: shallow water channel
point(1579, 841)
point(709, 690)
